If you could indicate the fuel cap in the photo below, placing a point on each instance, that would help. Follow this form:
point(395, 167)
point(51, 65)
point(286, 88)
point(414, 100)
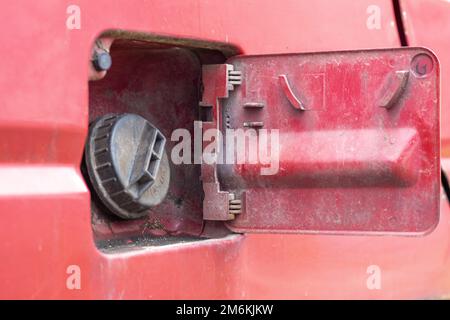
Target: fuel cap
point(127, 164)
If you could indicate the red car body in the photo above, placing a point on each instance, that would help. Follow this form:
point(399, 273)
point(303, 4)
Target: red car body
point(45, 205)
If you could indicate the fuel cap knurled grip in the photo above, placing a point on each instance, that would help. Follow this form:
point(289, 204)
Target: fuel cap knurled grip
point(127, 164)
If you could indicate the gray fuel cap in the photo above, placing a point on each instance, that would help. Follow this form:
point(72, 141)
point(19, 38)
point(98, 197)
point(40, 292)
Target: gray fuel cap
point(127, 164)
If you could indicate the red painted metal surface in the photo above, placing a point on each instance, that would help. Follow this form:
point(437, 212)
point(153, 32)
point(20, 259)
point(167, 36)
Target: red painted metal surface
point(427, 24)
point(346, 163)
point(45, 206)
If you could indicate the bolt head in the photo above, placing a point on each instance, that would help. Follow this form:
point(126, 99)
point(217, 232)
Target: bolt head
point(102, 61)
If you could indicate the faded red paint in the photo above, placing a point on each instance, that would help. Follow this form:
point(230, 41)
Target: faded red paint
point(43, 125)
point(427, 24)
point(346, 164)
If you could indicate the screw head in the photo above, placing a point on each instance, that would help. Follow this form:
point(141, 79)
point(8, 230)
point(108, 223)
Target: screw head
point(422, 65)
point(102, 61)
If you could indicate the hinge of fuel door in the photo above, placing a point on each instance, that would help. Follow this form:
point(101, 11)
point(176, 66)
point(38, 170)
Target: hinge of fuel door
point(323, 142)
point(218, 81)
